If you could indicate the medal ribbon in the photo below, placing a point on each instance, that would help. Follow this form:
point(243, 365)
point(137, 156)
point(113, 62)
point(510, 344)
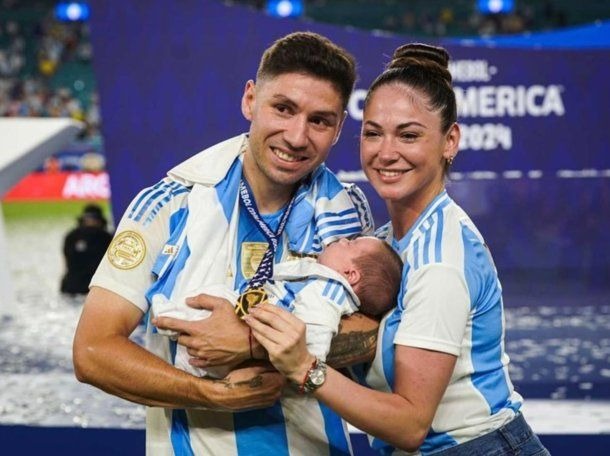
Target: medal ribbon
point(265, 268)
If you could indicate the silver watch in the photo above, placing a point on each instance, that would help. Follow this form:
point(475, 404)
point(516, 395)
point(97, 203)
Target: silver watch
point(316, 375)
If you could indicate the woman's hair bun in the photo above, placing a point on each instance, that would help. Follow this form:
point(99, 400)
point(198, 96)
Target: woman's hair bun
point(419, 53)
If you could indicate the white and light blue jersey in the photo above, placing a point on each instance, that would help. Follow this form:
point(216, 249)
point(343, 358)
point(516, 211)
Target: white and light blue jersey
point(450, 301)
point(191, 233)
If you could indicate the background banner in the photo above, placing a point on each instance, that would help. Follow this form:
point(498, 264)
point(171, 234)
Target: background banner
point(533, 170)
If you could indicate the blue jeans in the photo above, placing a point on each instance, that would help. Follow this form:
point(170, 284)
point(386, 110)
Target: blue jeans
point(512, 439)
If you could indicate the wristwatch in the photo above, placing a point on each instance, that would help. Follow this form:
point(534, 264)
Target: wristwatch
point(315, 377)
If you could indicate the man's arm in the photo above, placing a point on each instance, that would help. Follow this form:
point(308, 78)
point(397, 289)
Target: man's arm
point(356, 341)
point(222, 339)
point(105, 357)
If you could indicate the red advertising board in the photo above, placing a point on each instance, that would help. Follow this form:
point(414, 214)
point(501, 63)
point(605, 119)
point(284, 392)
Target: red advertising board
point(62, 185)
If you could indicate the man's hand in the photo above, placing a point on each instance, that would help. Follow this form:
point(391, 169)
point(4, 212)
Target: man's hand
point(248, 388)
point(220, 339)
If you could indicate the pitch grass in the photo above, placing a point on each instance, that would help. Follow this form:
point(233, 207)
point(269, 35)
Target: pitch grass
point(48, 209)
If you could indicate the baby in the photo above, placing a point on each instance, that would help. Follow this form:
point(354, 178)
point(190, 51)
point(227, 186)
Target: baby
point(362, 274)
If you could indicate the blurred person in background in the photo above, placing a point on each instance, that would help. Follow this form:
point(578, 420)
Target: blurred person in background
point(84, 248)
point(439, 383)
point(226, 215)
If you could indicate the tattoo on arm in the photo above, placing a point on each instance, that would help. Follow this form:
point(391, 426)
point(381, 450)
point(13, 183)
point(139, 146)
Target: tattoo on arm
point(352, 348)
point(253, 382)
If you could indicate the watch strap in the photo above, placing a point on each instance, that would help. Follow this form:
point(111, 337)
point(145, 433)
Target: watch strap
point(314, 377)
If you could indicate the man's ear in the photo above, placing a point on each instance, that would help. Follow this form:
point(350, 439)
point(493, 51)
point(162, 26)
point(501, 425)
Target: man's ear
point(340, 127)
point(247, 100)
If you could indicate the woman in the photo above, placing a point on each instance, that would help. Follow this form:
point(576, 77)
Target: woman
point(440, 380)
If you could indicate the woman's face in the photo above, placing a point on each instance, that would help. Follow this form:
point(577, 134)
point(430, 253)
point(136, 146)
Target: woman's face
point(402, 147)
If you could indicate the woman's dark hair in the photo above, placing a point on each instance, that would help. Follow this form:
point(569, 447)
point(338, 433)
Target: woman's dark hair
point(312, 54)
point(424, 68)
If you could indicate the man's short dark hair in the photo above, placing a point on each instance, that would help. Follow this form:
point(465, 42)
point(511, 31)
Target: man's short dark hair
point(311, 54)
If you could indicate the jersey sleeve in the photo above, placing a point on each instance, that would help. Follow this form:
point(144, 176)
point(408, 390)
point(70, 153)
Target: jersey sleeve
point(126, 268)
point(436, 309)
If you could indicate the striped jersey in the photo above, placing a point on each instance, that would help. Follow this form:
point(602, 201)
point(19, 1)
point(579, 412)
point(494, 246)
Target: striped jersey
point(182, 232)
point(450, 301)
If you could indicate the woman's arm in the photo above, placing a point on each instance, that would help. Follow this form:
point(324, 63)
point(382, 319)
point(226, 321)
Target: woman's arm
point(402, 418)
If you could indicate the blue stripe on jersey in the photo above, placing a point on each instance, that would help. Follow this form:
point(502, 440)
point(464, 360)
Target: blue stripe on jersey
point(336, 215)
point(341, 298)
point(362, 205)
point(261, 432)
point(177, 223)
point(486, 303)
point(387, 344)
point(359, 373)
point(440, 225)
point(329, 185)
point(327, 288)
point(160, 196)
point(427, 235)
point(179, 433)
point(435, 442)
point(436, 206)
point(338, 443)
point(292, 289)
point(163, 202)
point(165, 284)
point(380, 446)
point(383, 231)
point(145, 194)
point(342, 232)
point(416, 254)
point(173, 346)
point(227, 188)
point(344, 221)
point(335, 291)
point(181, 439)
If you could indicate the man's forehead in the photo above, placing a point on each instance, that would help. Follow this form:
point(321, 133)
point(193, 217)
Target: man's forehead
point(286, 83)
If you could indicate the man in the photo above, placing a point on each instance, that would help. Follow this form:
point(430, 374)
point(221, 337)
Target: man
point(84, 247)
point(224, 216)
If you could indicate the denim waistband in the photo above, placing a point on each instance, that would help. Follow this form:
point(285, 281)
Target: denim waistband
point(515, 437)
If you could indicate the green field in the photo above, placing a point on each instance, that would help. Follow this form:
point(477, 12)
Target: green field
point(42, 209)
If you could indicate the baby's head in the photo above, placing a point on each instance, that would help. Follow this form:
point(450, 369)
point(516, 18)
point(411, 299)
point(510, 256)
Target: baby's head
point(370, 266)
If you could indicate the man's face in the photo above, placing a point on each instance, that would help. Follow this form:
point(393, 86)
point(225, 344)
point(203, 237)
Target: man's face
point(295, 119)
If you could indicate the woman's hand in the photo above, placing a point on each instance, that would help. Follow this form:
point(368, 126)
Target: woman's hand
point(283, 336)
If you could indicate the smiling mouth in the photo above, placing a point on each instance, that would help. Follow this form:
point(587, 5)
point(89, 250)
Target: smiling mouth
point(391, 173)
point(286, 156)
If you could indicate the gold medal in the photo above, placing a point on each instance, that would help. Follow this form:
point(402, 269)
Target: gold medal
point(249, 299)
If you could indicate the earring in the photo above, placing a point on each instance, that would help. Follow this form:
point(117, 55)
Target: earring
point(450, 160)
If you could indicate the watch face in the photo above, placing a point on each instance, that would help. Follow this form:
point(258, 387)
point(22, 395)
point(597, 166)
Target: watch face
point(317, 377)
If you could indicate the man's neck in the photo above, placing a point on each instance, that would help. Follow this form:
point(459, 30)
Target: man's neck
point(270, 197)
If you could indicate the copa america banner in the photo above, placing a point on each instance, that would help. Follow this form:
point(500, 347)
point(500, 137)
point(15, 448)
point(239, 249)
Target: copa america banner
point(171, 77)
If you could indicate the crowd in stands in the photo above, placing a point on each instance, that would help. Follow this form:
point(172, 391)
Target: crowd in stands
point(35, 50)
point(437, 18)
